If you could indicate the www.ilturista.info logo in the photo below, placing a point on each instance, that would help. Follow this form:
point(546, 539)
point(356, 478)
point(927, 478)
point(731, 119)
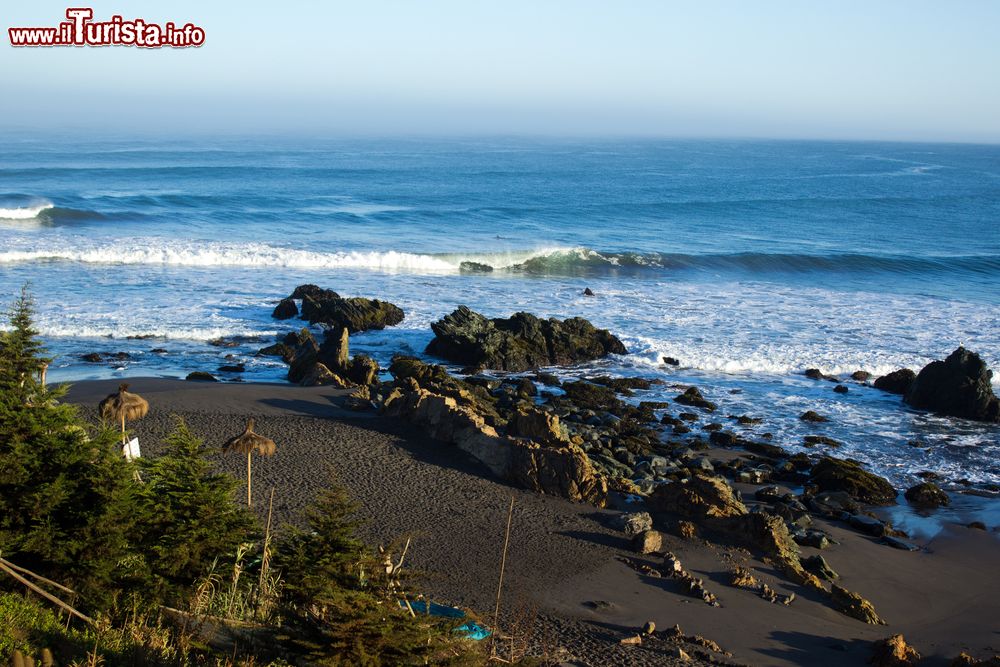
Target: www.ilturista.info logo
point(80, 30)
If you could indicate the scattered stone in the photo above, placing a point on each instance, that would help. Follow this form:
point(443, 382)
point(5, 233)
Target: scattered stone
point(648, 542)
point(893, 652)
point(687, 530)
point(841, 389)
point(959, 386)
point(92, 358)
point(692, 396)
point(813, 440)
point(635, 523)
point(159, 350)
point(519, 343)
point(671, 361)
point(927, 494)
point(818, 566)
point(234, 368)
point(896, 382)
point(817, 374)
point(853, 605)
point(747, 420)
point(897, 543)
point(201, 376)
point(601, 605)
point(832, 474)
point(812, 416)
point(861, 376)
point(631, 641)
point(743, 578)
point(548, 379)
point(276, 350)
point(285, 310)
point(648, 628)
point(868, 525)
point(588, 292)
point(695, 587)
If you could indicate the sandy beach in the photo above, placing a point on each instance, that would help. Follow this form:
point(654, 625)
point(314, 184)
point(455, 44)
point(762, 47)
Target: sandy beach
point(566, 566)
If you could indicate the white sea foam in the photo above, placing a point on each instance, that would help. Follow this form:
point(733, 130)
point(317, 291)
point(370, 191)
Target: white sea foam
point(161, 252)
point(24, 212)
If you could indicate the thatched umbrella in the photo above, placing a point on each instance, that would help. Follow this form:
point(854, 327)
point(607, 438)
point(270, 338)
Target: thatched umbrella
point(123, 405)
point(247, 443)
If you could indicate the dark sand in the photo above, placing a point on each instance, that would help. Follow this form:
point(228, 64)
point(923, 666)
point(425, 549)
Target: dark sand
point(944, 599)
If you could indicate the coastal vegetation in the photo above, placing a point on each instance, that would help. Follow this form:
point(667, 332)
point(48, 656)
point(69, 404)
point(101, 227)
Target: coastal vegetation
point(108, 561)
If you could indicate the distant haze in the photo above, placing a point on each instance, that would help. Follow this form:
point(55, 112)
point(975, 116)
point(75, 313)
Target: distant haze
point(893, 69)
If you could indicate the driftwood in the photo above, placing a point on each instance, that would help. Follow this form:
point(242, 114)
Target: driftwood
point(13, 571)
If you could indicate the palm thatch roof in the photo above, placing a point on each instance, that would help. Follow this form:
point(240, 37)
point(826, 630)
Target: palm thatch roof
point(123, 405)
point(250, 442)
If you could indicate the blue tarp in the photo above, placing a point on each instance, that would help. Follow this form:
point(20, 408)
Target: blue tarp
point(470, 630)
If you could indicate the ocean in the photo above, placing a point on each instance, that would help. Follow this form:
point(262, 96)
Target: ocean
point(748, 261)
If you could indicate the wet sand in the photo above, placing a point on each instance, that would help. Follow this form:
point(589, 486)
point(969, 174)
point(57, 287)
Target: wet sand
point(944, 598)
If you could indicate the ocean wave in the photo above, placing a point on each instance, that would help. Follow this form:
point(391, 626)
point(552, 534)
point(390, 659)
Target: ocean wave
point(541, 261)
point(131, 334)
point(24, 212)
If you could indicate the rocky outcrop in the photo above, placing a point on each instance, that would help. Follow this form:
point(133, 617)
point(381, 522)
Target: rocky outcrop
point(959, 386)
point(285, 310)
point(311, 364)
point(518, 343)
point(832, 474)
point(326, 307)
point(893, 652)
point(533, 453)
point(927, 494)
point(896, 382)
point(702, 497)
point(853, 605)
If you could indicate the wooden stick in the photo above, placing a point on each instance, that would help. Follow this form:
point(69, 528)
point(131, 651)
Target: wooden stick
point(267, 542)
point(18, 568)
point(48, 596)
point(249, 455)
point(503, 565)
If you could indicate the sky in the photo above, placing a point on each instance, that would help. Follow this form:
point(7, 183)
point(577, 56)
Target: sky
point(884, 70)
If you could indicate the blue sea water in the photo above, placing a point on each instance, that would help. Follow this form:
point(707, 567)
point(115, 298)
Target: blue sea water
point(749, 261)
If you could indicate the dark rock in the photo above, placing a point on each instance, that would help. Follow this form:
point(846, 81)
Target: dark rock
point(201, 376)
point(893, 652)
point(812, 416)
point(977, 525)
point(723, 439)
point(538, 425)
point(120, 356)
point(861, 376)
point(747, 420)
point(588, 292)
point(767, 494)
point(897, 543)
point(622, 386)
point(548, 379)
point(868, 525)
point(702, 496)
point(959, 386)
point(474, 267)
point(813, 440)
point(671, 361)
point(853, 605)
point(335, 352)
point(818, 566)
point(234, 368)
point(314, 291)
point(714, 427)
point(832, 474)
point(633, 524)
point(159, 350)
point(354, 314)
point(896, 382)
point(927, 494)
point(692, 396)
point(841, 389)
point(285, 310)
point(688, 416)
point(519, 343)
point(816, 539)
point(764, 449)
point(276, 350)
point(593, 397)
point(832, 503)
point(817, 374)
point(92, 357)
point(363, 370)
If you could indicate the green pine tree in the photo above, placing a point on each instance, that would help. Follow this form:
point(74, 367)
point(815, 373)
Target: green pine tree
point(187, 516)
point(65, 493)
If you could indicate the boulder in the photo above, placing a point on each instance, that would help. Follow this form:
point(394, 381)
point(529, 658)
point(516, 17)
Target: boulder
point(559, 471)
point(959, 386)
point(593, 397)
point(648, 542)
point(832, 474)
point(927, 494)
point(518, 343)
point(813, 416)
point(896, 382)
point(303, 356)
point(854, 605)
point(861, 376)
point(893, 652)
point(285, 310)
point(538, 425)
point(692, 396)
point(335, 353)
point(635, 523)
point(474, 267)
point(92, 358)
point(702, 496)
point(363, 370)
point(314, 291)
point(201, 376)
point(318, 375)
point(354, 314)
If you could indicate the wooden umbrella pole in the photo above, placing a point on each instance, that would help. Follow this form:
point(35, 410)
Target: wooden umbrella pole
point(503, 564)
point(249, 456)
point(124, 441)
